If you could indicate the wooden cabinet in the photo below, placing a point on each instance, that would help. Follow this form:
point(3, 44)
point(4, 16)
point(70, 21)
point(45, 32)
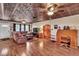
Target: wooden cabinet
point(47, 31)
point(41, 35)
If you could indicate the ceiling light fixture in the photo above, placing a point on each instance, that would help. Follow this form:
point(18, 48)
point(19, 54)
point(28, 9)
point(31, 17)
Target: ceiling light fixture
point(51, 9)
point(50, 13)
point(23, 21)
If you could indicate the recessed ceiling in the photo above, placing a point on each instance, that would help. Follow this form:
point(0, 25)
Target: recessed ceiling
point(35, 12)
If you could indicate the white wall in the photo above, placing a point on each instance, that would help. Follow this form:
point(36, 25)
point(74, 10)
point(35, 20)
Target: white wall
point(5, 30)
point(40, 24)
point(70, 21)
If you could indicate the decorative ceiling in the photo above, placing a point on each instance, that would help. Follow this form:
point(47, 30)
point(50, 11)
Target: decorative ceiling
point(35, 12)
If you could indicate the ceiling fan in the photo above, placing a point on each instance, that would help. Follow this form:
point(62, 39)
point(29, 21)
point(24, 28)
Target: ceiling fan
point(53, 8)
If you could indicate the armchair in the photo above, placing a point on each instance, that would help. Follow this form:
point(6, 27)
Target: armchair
point(19, 37)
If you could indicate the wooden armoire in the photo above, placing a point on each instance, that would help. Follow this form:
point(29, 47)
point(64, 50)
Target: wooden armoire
point(47, 31)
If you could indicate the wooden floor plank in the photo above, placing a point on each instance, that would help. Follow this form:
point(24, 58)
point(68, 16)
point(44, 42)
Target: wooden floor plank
point(39, 47)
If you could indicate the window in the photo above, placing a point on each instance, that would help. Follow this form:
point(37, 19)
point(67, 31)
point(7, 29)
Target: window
point(26, 27)
point(17, 27)
point(21, 27)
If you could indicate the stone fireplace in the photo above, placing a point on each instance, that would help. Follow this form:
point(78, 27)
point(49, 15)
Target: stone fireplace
point(65, 41)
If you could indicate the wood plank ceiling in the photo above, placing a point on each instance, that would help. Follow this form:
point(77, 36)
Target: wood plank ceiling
point(35, 12)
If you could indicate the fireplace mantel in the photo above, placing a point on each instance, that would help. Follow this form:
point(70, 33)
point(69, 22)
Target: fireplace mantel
point(67, 33)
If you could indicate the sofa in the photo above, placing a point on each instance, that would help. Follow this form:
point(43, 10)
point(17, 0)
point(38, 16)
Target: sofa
point(19, 37)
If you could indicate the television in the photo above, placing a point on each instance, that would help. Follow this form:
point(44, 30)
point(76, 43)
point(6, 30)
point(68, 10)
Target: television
point(35, 30)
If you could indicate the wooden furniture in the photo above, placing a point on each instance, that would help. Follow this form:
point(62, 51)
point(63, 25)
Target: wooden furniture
point(65, 35)
point(47, 31)
point(19, 37)
point(29, 36)
point(41, 35)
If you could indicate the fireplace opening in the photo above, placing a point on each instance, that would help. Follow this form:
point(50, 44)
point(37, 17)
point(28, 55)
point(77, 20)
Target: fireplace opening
point(65, 42)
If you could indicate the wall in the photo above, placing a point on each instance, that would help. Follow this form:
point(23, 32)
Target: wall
point(72, 21)
point(5, 30)
point(40, 24)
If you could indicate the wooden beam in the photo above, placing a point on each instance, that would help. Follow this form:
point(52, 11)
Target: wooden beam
point(2, 9)
point(8, 20)
point(13, 21)
point(68, 10)
point(15, 9)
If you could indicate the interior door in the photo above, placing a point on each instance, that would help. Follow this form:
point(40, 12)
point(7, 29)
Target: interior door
point(47, 31)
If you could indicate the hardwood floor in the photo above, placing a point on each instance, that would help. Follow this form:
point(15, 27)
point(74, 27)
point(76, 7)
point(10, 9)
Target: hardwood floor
point(39, 47)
